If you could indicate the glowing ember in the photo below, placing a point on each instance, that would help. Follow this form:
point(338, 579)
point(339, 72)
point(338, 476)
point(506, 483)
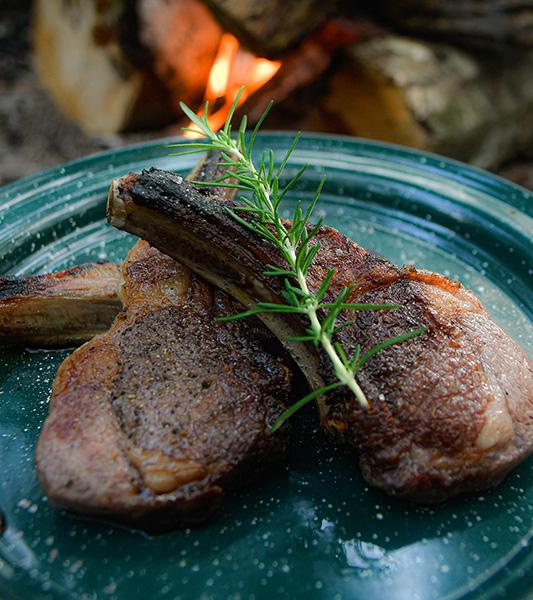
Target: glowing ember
point(232, 68)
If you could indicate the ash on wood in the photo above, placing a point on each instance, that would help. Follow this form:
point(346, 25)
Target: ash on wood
point(271, 27)
point(477, 108)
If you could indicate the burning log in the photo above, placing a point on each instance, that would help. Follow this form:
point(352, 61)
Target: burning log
point(474, 108)
point(112, 66)
point(306, 65)
point(298, 70)
point(271, 27)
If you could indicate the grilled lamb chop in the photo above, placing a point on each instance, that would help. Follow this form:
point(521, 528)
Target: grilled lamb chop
point(59, 309)
point(450, 411)
point(152, 422)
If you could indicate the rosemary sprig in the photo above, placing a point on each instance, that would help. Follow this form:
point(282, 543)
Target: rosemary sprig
point(262, 207)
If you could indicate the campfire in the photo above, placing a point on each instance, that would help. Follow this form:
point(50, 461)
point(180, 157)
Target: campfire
point(328, 68)
point(233, 68)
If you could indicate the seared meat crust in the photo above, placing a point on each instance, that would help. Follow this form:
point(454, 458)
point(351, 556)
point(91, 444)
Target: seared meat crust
point(451, 410)
point(152, 422)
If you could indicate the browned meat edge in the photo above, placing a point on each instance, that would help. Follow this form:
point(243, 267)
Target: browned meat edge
point(59, 309)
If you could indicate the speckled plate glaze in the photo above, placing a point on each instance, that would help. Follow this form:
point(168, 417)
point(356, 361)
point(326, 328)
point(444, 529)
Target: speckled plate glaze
point(313, 529)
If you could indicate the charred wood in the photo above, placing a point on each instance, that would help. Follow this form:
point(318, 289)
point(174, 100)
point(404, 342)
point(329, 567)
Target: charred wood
point(474, 107)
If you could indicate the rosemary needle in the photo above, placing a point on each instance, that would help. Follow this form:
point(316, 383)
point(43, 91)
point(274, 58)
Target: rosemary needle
point(265, 191)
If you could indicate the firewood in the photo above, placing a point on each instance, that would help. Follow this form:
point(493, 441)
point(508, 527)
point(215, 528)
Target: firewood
point(123, 65)
point(489, 21)
point(271, 27)
point(477, 108)
point(305, 65)
point(183, 38)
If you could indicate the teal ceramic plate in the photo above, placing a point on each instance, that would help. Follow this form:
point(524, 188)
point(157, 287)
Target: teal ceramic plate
point(313, 529)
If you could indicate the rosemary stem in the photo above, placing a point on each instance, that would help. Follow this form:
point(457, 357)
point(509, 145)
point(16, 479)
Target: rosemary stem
point(344, 375)
point(293, 243)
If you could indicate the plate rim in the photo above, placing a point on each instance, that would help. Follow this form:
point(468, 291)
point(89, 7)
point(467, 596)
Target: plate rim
point(408, 151)
point(468, 174)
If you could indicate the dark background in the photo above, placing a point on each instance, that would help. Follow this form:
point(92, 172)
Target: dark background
point(35, 135)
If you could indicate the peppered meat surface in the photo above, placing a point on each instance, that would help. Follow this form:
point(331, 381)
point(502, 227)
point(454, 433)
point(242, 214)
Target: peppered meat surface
point(154, 421)
point(450, 411)
point(59, 309)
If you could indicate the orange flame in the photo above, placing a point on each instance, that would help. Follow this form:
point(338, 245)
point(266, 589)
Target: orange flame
point(232, 68)
point(220, 71)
